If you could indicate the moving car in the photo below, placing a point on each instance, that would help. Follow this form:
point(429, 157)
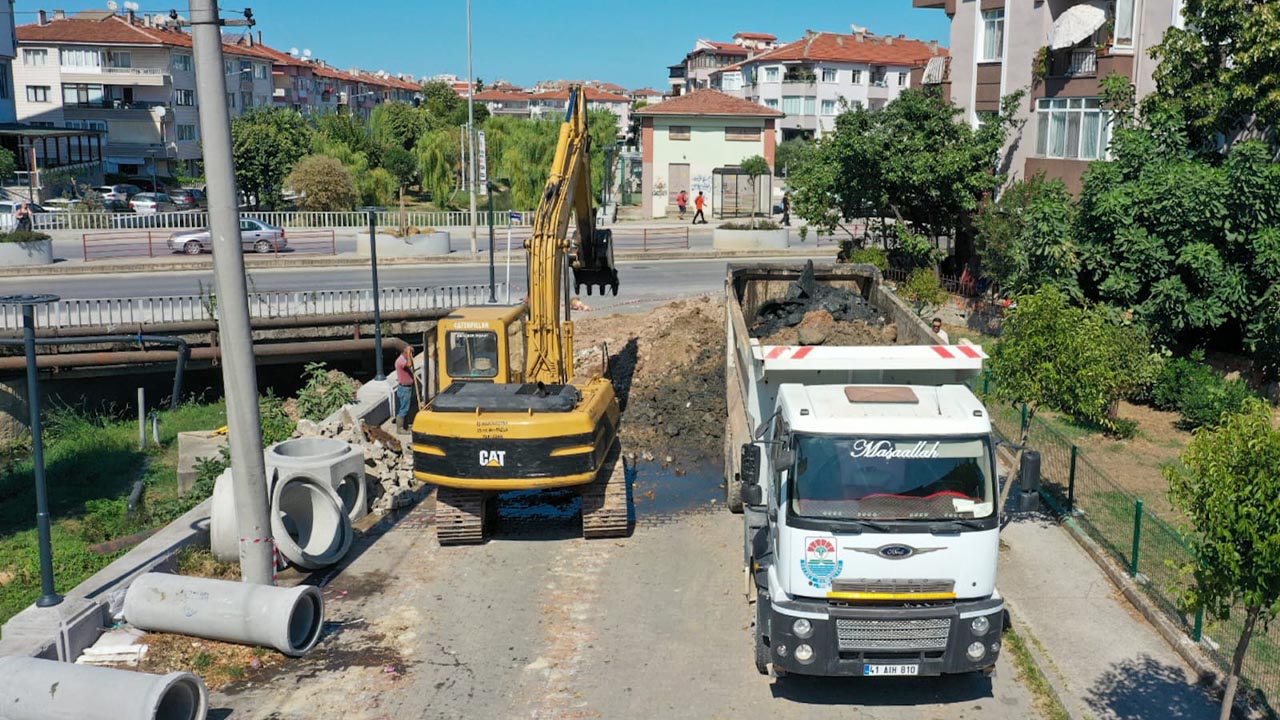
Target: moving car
point(254, 235)
point(145, 203)
point(189, 199)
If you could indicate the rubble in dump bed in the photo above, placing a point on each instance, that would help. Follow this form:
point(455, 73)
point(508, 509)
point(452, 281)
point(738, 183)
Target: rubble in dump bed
point(388, 464)
point(815, 313)
point(667, 367)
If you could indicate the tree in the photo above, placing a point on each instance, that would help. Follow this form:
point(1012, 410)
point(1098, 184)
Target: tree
point(377, 187)
point(602, 125)
point(1026, 238)
point(396, 124)
point(924, 291)
point(913, 159)
point(755, 167)
point(1072, 359)
point(442, 107)
point(8, 163)
point(347, 129)
point(324, 183)
point(437, 157)
point(265, 144)
point(791, 154)
point(403, 166)
point(1229, 487)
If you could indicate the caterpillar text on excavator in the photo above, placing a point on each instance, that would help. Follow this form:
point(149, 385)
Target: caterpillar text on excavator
point(508, 415)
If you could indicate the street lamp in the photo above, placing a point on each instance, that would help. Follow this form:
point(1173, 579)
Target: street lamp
point(471, 129)
point(151, 154)
point(28, 303)
point(377, 305)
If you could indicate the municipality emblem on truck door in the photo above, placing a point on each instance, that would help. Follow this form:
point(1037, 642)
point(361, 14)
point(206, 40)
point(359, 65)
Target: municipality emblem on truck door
point(821, 563)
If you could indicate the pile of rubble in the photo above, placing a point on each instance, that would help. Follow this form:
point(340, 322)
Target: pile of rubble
point(388, 460)
point(816, 313)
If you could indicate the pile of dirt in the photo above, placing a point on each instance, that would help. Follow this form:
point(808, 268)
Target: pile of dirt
point(217, 663)
point(667, 367)
point(816, 313)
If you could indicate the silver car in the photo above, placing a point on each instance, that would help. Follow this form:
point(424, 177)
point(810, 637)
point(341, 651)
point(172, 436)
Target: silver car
point(255, 235)
point(147, 203)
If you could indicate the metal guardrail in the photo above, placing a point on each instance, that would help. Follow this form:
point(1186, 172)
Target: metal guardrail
point(286, 219)
point(133, 243)
point(140, 311)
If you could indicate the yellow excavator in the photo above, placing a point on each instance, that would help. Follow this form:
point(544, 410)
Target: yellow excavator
point(508, 415)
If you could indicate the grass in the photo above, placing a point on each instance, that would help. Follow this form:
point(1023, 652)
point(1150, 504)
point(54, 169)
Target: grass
point(91, 465)
point(1045, 697)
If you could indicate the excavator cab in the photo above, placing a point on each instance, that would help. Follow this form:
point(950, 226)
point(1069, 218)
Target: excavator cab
point(481, 344)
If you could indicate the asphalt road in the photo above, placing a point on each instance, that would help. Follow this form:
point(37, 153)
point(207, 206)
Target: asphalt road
point(539, 623)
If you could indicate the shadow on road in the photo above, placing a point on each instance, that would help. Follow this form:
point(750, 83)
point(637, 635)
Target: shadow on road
point(883, 691)
point(1146, 689)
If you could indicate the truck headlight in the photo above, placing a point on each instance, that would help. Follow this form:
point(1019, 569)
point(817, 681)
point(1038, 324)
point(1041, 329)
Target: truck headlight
point(804, 653)
point(980, 625)
point(976, 651)
point(803, 629)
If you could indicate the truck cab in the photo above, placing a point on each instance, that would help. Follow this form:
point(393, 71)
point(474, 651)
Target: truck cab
point(872, 531)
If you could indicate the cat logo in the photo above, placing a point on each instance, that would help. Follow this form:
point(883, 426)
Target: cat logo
point(493, 458)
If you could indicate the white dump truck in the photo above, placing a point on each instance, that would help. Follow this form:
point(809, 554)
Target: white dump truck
point(868, 478)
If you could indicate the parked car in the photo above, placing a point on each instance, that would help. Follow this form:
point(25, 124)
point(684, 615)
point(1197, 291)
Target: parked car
point(41, 218)
point(148, 186)
point(121, 191)
point(189, 199)
point(148, 202)
point(255, 235)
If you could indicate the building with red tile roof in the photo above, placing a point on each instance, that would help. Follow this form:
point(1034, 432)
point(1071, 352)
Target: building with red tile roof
point(707, 56)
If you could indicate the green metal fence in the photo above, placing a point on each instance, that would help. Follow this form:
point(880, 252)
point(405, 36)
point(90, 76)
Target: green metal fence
point(1153, 550)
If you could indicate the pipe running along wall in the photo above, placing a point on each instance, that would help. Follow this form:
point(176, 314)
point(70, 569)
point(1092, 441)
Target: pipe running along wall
point(179, 371)
point(143, 357)
point(34, 689)
point(287, 619)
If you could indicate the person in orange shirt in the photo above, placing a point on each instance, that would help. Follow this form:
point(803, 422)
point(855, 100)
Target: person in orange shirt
point(698, 202)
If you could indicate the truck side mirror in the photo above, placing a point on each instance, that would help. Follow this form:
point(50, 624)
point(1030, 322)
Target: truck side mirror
point(750, 465)
point(753, 494)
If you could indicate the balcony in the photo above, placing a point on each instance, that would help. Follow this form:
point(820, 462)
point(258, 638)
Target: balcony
point(115, 105)
point(1077, 72)
point(1074, 62)
point(676, 72)
point(139, 76)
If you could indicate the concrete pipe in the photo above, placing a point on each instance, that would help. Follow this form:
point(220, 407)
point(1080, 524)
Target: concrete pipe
point(287, 619)
point(223, 531)
point(338, 463)
point(34, 689)
point(310, 526)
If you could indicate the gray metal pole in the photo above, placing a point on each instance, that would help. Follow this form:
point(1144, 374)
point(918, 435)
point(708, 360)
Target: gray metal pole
point(142, 418)
point(471, 131)
point(380, 373)
point(493, 290)
point(239, 374)
point(48, 598)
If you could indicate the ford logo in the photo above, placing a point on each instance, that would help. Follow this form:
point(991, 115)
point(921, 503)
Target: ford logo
point(896, 552)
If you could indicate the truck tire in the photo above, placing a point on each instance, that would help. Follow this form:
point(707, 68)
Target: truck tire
point(762, 646)
point(733, 493)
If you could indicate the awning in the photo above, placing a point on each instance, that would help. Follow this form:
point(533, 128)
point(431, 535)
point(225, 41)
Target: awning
point(1076, 24)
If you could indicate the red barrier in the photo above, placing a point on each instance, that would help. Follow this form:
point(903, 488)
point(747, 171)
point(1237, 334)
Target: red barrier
point(309, 242)
point(121, 244)
point(647, 239)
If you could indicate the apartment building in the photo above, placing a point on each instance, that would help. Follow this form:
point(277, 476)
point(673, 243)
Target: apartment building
point(1058, 51)
point(708, 56)
point(554, 103)
point(813, 79)
point(511, 103)
point(132, 78)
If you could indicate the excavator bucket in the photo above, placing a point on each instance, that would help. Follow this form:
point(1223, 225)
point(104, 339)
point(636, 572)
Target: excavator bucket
point(593, 266)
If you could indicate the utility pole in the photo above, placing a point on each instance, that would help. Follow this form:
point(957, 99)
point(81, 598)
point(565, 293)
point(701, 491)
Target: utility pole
point(239, 373)
point(471, 131)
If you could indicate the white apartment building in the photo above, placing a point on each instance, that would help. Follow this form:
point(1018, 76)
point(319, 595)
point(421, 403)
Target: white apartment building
point(813, 79)
point(132, 78)
point(554, 103)
point(8, 51)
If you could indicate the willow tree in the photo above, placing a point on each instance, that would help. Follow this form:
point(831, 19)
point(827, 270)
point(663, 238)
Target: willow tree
point(437, 156)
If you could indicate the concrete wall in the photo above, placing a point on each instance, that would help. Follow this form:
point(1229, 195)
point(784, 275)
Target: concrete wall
point(706, 150)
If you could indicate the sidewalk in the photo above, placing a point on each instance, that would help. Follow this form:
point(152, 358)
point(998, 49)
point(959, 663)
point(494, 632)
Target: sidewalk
point(1103, 658)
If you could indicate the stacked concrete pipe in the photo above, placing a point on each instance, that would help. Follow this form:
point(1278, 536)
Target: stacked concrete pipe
point(339, 463)
point(310, 526)
point(34, 689)
point(287, 619)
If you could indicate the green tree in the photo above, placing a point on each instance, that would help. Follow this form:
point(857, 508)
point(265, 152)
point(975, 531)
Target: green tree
point(345, 128)
point(377, 187)
point(924, 291)
point(325, 184)
point(1026, 238)
point(1072, 359)
point(791, 154)
point(755, 167)
point(603, 128)
point(8, 163)
point(265, 144)
point(437, 158)
point(396, 124)
point(403, 166)
point(442, 107)
point(1229, 487)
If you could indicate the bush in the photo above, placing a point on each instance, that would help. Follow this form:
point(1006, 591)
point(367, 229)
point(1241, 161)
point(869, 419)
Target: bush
point(759, 225)
point(1196, 391)
point(324, 393)
point(325, 184)
point(277, 426)
point(1176, 376)
point(924, 291)
point(22, 236)
point(864, 256)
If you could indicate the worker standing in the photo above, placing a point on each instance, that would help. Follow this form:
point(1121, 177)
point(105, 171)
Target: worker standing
point(698, 202)
point(404, 387)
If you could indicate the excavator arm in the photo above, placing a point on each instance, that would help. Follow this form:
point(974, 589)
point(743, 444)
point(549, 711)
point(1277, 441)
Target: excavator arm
point(568, 189)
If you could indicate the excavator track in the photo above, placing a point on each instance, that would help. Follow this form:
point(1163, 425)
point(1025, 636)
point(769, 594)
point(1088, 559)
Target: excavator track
point(460, 516)
point(606, 503)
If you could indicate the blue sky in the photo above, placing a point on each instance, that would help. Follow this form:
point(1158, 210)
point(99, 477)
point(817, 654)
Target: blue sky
point(527, 40)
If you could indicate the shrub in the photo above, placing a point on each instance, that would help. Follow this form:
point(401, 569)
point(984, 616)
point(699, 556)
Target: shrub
point(1200, 394)
point(325, 184)
point(22, 236)
point(759, 225)
point(865, 256)
point(923, 290)
point(277, 426)
point(325, 392)
point(1176, 376)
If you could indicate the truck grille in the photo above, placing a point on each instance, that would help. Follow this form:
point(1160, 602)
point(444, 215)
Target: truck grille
point(905, 585)
point(906, 635)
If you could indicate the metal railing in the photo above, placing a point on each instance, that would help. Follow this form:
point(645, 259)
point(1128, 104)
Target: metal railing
point(1084, 61)
point(140, 311)
point(286, 219)
point(102, 245)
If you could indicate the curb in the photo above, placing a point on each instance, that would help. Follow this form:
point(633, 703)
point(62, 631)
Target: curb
point(1042, 663)
point(254, 263)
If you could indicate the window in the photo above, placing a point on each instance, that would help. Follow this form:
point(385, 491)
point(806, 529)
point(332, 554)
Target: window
point(35, 58)
point(246, 67)
point(857, 77)
point(1072, 129)
point(246, 100)
point(231, 101)
point(828, 107)
point(742, 134)
point(1179, 21)
point(771, 103)
point(6, 82)
point(679, 132)
point(40, 123)
point(262, 72)
point(1124, 23)
point(797, 105)
point(186, 132)
point(829, 74)
point(119, 59)
point(73, 58)
point(992, 34)
point(87, 125)
point(184, 97)
point(471, 354)
point(902, 79)
point(772, 74)
point(38, 93)
point(82, 94)
point(182, 62)
point(228, 68)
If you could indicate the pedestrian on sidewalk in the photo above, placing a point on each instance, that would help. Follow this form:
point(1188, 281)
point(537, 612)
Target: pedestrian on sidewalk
point(404, 388)
point(937, 330)
point(786, 209)
point(682, 202)
point(698, 202)
point(23, 217)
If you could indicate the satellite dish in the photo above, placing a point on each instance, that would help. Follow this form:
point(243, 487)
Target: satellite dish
point(160, 111)
point(293, 52)
point(131, 6)
point(112, 6)
point(306, 52)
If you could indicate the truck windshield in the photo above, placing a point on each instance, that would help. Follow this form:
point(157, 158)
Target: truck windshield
point(892, 478)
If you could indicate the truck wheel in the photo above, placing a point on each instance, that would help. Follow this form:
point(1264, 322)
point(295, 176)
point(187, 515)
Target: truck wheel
point(762, 646)
point(733, 493)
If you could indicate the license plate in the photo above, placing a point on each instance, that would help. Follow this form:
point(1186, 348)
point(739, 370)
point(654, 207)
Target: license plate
point(890, 669)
